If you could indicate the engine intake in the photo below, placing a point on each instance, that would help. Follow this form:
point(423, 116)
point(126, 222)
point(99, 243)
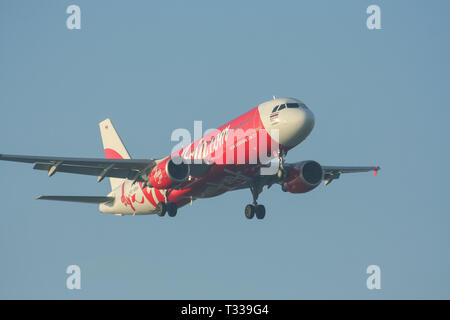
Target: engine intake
point(303, 177)
point(168, 174)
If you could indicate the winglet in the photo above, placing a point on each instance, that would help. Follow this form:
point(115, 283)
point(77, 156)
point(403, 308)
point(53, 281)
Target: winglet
point(375, 171)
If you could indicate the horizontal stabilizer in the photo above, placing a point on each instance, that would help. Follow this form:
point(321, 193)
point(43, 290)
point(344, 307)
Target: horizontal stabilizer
point(85, 199)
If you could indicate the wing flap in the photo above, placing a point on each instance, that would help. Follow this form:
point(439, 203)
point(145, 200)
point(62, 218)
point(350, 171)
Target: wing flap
point(92, 171)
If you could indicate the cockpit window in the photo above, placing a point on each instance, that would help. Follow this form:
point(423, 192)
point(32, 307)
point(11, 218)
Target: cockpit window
point(274, 109)
point(292, 105)
point(281, 107)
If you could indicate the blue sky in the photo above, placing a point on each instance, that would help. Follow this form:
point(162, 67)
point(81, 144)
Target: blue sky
point(379, 97)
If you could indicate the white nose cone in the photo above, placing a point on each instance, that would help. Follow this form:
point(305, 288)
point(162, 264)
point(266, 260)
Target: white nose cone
point(292, 121)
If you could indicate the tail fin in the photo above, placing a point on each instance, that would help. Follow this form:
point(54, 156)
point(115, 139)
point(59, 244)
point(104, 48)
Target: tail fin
point(114, 148)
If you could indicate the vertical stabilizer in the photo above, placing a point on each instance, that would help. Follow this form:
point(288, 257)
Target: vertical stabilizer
point(113, 146)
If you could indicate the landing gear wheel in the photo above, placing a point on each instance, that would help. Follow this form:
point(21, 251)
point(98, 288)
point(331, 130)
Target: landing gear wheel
point(172, 209)
point(260, 211)
point(249, 211)
point(163, 210)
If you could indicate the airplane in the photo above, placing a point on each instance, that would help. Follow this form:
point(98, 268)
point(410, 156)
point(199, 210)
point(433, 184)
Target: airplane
point(248, 152)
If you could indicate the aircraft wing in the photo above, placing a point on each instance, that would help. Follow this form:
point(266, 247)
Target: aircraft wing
point(133, 169)
point(334, 172)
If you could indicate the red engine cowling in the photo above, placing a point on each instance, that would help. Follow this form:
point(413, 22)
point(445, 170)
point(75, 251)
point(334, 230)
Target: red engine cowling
point(168, 174)
point(303, 177)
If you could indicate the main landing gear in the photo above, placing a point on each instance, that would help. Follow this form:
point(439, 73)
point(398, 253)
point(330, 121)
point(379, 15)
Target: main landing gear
point(255, 209)
point(169, 207)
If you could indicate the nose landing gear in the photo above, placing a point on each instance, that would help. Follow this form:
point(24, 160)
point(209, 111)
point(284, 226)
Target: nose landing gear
point(249, 211)
point(255, 209)
point(259, 210)
point(282, 172)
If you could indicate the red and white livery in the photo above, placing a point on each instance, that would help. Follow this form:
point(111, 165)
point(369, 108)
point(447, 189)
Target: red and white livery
point(241, 154)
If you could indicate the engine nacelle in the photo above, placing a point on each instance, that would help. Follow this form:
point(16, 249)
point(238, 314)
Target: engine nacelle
point(168, 174)
point(303, 177)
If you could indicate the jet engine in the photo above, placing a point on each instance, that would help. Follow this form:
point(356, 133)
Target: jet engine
point(168, 174)
point(302, 177)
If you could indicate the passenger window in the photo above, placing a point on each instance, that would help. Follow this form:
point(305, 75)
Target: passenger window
point(274, 109)
point(281, 107)
point(292, 105)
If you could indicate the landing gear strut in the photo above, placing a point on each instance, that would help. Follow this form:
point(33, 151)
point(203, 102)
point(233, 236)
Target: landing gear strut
point(282, 172)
